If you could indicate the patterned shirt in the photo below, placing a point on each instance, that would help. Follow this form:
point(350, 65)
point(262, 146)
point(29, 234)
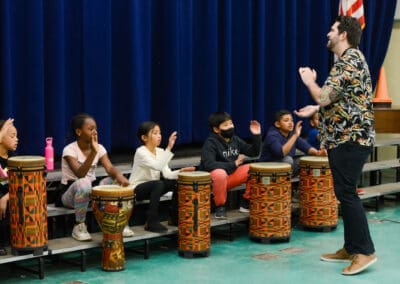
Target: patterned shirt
point(350, 116)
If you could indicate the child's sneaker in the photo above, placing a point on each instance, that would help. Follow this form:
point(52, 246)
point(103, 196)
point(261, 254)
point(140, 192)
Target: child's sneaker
point(127, 232)
point(244, 206)
point(3, 250)
point(220, 212)
point(80, 232)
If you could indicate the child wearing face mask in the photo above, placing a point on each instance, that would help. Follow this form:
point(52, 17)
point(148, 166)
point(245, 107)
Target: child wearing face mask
point(222, 155)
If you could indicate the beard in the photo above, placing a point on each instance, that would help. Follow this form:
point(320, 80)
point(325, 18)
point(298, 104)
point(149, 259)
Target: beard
point(331, 45)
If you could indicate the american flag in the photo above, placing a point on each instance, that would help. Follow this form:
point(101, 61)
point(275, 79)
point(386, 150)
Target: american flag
point(353, 8)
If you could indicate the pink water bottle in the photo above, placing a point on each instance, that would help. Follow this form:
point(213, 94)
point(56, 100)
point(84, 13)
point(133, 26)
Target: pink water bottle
point(49, 154)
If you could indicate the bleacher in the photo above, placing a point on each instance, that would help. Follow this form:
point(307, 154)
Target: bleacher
point(376, 190)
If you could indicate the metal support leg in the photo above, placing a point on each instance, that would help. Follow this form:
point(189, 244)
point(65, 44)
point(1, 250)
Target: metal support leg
point(83, 261)
point(146, 249)
point(230, 232)
point(41, 267)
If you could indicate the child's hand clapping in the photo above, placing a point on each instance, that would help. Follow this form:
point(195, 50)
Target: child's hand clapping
point(171, 140)
point(255, 127)
point(239, 160)
point(95, 142)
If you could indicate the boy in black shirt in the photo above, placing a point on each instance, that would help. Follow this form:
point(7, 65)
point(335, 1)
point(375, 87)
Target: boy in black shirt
point(222, 155)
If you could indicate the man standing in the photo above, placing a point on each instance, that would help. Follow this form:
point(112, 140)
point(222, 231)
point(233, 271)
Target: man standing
point(347, 131)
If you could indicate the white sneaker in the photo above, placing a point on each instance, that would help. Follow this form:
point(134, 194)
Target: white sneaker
point(244, 210)
point(127, 232)
point(80, 232)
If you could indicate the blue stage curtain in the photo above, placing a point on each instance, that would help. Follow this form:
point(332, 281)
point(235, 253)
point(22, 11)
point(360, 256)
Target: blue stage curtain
point(174, 61)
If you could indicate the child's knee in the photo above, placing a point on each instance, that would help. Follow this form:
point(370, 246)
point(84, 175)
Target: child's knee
point(84, 185)
point(106, 181)
point(218, 175)
point(288, 159)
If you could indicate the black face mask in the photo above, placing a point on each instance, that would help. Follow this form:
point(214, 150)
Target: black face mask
point(228, 133)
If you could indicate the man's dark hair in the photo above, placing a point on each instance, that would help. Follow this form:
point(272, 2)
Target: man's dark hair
point(352, 27)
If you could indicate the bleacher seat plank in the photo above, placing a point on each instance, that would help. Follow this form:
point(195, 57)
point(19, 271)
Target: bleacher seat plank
point(125, 168)
point(233, 216)
point(381, 165)
point(380, 190)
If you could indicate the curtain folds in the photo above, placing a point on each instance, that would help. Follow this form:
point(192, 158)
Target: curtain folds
point(172, 61)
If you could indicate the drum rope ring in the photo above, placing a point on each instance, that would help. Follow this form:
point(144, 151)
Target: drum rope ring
point(120, 202)
point(274, 175)
point(196, 186)
point(308, 168)
point(258, 177)
point(19, 173)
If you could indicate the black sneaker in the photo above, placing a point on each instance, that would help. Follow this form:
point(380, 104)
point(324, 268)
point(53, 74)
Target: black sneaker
point(155, 227)
point(220, 212)
point(3, 250)
point(244, 206)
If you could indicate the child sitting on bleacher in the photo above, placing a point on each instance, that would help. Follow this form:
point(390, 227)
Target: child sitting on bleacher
point(222, 155)
point(313, 134)
point(8, 143)
point(151, 175)
point(282, 140)
point(78, 165)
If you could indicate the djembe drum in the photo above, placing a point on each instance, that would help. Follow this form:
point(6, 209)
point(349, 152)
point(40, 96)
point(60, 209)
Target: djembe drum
point(28, 204)
point(112, 207)
point(194, 189)
point(270, 201)
point(318, 204)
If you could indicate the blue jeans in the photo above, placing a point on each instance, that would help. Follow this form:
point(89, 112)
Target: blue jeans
point(346, 162)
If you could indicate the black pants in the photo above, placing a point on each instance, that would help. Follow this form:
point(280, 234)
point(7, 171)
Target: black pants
point(153, 190)
point(346, 162)
point(5, 224)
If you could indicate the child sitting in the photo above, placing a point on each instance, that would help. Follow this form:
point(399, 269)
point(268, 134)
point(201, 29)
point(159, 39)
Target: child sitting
point(283, 139)
point(222, 155)
point(78, 167)
point(313, 134)
point(149, 162)
point(8, 144)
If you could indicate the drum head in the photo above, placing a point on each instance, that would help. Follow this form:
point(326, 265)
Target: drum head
point(314, 161)
point(194, 174)
point(270, 167)
point(113, 191)
point(199, 176)
point(25, 162)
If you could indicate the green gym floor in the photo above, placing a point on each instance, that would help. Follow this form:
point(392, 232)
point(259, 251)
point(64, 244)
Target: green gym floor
point(240, 261)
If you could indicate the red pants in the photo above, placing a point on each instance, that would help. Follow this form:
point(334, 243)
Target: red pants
point(222, 182)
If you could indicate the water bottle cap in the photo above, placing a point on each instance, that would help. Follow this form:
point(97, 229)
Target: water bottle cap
point(49, 140)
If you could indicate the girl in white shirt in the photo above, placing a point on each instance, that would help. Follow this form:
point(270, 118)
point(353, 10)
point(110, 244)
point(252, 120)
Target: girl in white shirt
point(78, 166)
point(151, 175)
